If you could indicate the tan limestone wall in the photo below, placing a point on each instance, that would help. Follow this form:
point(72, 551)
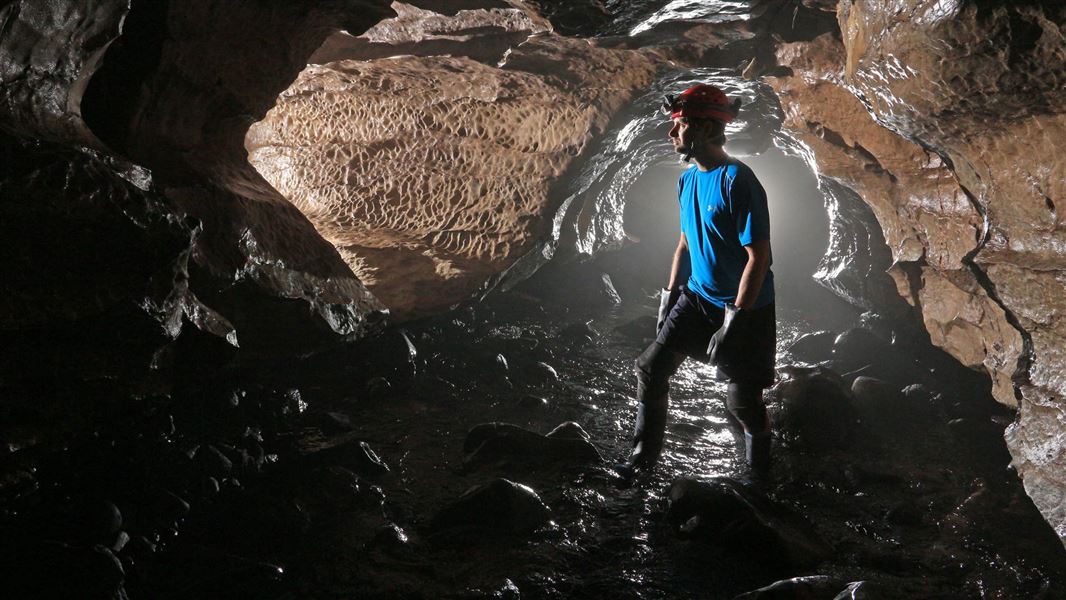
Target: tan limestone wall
point(431, 175)
point(947, 118)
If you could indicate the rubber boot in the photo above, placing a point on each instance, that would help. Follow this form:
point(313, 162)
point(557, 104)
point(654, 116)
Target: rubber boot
point(757, 452)
point(648, 436)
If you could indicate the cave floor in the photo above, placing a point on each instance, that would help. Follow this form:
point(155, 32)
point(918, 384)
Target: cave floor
point(918, 509)
point(257, 481)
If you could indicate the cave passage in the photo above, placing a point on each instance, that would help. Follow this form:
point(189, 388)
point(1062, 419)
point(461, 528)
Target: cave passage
point(496, 175)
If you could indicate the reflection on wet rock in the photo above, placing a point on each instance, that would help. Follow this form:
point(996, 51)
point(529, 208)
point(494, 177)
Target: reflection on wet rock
point(808, 587)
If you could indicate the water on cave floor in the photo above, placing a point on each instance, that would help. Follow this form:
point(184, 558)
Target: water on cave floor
point(924, 509)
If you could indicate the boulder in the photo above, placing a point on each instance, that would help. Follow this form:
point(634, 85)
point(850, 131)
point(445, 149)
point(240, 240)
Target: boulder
point(813, 347)
point(728, 515)
point(815, 411)
point(503, 444)
point(499, 507)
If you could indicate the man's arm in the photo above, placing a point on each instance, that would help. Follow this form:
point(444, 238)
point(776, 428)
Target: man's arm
point(754, 273)
point(681, 268)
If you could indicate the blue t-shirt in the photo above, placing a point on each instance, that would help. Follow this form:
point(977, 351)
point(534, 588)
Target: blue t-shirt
point(723, 210)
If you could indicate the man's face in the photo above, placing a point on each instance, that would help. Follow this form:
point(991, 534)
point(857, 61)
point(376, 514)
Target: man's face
point(683, 136)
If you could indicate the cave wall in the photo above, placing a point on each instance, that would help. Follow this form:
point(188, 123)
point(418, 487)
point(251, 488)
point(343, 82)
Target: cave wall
point(945, 118)
point(491, 141)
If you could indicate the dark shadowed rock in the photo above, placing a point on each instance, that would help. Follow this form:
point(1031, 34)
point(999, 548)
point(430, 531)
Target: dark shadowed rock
point(813, 347)
point(333, 489)
point(816, 411)
point(346, 450)
point(500, 507)
point(724, 513)
point(810, 587)
point(503, 444)
point(578, 332)
point(859, 351)
point(531, 402)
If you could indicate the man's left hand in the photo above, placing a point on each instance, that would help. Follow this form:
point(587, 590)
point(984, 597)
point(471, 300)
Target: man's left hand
point(725, 337)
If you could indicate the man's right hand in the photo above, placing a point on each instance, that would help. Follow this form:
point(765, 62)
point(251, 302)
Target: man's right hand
point(667, 299)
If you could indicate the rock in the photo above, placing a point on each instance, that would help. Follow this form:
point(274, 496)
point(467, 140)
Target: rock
point(502, 444)
point(171, 506)
point(878, 402)
point(121, 539)
point(879, 325)
point(391, 537)
point(569, 431)
point(543, 373)
point(531, 402)
point(816, 411)
point(346, 450)
point(499, 507)
point(94, 521)
point(333, 489)
point(509, 591)
point(608, 291)
point(813, 347)
point(378, 387)
point(857, 348)
point(811, 587)
point(330, 421)
point(724, 513)
point(578, 332)
point(213, 461)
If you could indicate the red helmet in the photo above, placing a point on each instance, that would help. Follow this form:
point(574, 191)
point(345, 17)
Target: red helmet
point(701, 101)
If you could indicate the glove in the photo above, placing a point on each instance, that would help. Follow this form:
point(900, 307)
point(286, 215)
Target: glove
point(718, 348)
point(667, 299)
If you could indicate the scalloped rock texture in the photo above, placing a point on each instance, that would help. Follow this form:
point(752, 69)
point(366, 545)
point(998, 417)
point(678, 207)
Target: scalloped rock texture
point(946, 117)
point(492, 143)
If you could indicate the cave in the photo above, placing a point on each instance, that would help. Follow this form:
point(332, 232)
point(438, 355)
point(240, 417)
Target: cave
point(342, 299)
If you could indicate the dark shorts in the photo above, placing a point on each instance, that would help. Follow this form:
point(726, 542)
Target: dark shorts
point(692, 322)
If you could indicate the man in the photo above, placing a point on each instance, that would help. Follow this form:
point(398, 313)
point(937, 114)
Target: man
point(719, 302)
